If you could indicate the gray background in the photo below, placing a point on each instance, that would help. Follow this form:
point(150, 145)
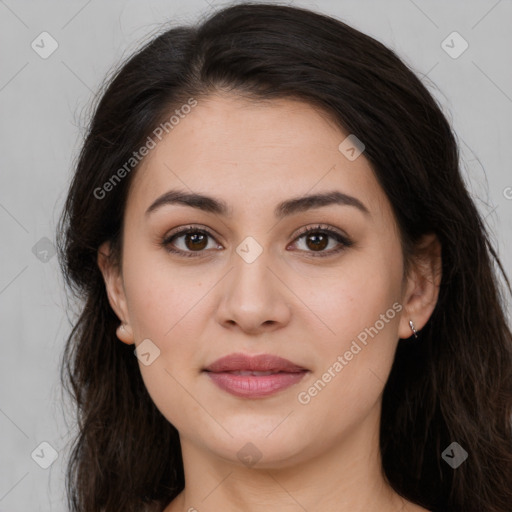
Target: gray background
point(44, 106)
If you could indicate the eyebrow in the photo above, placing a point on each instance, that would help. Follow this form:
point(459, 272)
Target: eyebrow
point(283, 209)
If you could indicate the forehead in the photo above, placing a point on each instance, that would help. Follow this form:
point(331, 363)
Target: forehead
point(260, 149)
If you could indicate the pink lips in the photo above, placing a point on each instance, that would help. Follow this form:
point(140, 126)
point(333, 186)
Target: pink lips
point(254, 376)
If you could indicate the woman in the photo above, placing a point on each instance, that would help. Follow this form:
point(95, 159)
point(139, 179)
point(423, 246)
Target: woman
point(268, 212)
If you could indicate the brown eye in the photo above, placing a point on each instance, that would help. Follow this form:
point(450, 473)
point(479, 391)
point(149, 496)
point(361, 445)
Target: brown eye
point(196, 241)
point(317, 241)
point(189, 241)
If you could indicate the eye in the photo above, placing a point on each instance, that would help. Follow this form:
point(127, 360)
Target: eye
point(190, 240)
point(316, 239)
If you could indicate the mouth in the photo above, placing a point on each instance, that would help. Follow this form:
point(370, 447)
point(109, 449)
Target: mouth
point(254, 376)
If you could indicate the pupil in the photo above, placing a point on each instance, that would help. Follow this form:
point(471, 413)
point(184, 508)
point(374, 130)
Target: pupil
point(195, 238)
point(319, 241)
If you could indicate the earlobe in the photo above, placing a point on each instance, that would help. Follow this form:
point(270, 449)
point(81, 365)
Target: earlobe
point(423, 284)
point(125, 334)
point(115, 291)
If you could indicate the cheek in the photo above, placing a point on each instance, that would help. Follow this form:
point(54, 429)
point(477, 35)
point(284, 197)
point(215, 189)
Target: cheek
point(350, 297)
point(351, 372)
point(161, 297)
point(362, 317)
point(167, 310)
point(169, 306)
point(361, 308)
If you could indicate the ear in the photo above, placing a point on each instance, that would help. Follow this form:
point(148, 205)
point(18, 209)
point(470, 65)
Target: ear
point(422, 285)
point(115, 291)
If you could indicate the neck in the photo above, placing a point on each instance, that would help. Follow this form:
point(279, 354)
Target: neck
point(345, 476)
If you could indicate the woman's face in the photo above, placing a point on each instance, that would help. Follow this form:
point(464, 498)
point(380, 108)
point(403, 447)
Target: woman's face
point(249, 282)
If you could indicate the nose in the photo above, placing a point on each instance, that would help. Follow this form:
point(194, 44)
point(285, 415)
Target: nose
point(253, 297)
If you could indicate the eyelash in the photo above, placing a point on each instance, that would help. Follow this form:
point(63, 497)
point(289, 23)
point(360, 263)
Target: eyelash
point(343, 240)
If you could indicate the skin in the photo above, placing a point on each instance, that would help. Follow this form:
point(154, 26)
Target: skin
point(321, 456)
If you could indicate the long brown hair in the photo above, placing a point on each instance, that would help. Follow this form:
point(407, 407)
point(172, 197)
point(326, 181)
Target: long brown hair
point(453, 385)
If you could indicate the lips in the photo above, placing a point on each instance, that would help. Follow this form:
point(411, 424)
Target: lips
point(254, 376)
point(260, 363)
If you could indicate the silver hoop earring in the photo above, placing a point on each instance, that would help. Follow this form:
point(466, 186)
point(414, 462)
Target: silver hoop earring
point(413, 329)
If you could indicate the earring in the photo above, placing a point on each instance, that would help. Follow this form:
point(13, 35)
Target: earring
point(413, 329)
